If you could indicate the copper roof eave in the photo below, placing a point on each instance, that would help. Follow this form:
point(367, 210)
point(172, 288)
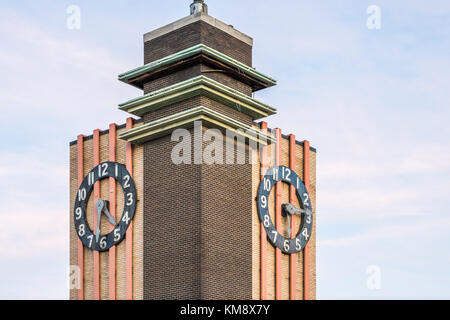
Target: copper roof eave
point(139, 81)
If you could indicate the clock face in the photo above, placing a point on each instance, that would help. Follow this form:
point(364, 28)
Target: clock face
point(92, 238)
point(287, 245)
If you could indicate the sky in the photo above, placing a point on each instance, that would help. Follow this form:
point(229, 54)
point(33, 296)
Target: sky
point(374, 102)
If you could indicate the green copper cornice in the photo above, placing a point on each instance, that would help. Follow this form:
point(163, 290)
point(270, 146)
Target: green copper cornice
point(200, 85)
point(186, 119)
point(240, 67)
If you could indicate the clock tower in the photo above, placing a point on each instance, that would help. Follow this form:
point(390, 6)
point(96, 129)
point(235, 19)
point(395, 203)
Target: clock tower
point(194, 197)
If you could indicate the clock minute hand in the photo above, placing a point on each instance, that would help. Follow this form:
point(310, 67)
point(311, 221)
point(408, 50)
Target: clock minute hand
point(100, 205)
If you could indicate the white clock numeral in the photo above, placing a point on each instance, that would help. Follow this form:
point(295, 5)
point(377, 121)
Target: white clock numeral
point(130, 199)
point(81, 230)
point(91, 178)
point(126, 218)
point(274, 235)
point(286, 245)
point(286, 174)
point(90, 238)
point(275, 174)
point(298, 183)
point(78, 213)
point(306, 201)
point(127, 181)
point(267, 184)
point(82, 194)
point(298, 245)
point(116, 234)
point(117, 170)
point(266, 221)
point(305, 234)
point(264, 201)
point(308, 218)
point(102, 170)
point(103, 243)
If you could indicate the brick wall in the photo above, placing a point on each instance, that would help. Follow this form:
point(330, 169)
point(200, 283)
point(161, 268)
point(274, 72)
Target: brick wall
point(91, 215)
point(193, 34)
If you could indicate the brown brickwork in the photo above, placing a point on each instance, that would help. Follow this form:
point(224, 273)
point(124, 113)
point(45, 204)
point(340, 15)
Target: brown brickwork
point(193, 34)
point(194, 71)
point(196, 102)
point(196, 232)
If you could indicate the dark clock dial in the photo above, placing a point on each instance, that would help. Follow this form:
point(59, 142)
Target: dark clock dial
point(286, 175)
point(93, 239)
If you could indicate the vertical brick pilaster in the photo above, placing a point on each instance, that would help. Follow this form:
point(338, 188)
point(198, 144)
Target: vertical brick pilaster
point(80, 177)
point(306, 263)
point(129, 234)
point(112, 210)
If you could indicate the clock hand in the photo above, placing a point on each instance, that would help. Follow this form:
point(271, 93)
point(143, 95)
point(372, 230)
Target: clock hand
point(109, 216)
point(100, 205)
point(290, 209)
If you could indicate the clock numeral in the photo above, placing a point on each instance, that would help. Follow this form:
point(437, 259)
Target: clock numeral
point(91, 178)
point(78, 213)
point(82, 194)
point(305, 234)
point(81, 230)
point(130, 199)
point(298, 183)
point(103, 170)
point(286, 245)
point(286, 174)
point(117, 234)
point(90, 238)
point(127, 181)
point(298, 244)
point(275, 174)
point(306, 201)
point(103, 242)
point(126, 218)
point(264, 201)
point(117, 170)
point(267, 184)
point(266, 221)
point(274, 235)
point(308, 218)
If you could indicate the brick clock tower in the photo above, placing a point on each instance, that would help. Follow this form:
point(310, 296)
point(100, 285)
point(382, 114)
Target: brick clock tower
point(195, 197)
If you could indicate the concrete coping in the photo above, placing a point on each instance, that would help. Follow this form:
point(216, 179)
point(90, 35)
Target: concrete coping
point(194, 18)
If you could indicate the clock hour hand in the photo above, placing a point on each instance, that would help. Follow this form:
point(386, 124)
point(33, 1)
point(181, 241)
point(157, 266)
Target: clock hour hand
point(290, 209)
point(109, 216)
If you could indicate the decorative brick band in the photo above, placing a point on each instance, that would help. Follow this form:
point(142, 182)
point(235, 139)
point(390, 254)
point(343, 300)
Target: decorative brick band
point(112, 210)
point(80, 248)
point(306, 266)
point(96, 162)
point(292, 258)
point(278, 218)
point(129, 234)
point(263, 235)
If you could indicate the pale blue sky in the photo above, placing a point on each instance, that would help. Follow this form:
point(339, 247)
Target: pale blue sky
point(375, 103)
